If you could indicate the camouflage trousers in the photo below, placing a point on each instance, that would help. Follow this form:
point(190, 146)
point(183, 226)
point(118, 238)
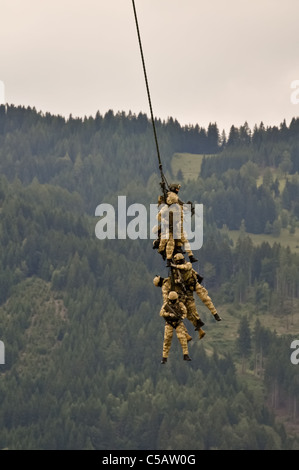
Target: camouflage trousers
point(205, 298)
point(181, 335)
point(192, 313)
point(168, 244)
point(185, 243)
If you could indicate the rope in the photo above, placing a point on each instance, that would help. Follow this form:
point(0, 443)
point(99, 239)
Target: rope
point(163, 183)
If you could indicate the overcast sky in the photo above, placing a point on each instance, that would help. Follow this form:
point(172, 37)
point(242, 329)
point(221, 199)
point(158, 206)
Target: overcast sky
point(224, 61)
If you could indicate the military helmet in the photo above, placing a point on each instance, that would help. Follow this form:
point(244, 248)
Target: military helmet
point(173, 295)
point(174, 187)
point(178, 257)
point(157, 280)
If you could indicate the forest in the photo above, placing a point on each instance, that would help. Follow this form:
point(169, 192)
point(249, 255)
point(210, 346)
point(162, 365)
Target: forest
point(79, 316)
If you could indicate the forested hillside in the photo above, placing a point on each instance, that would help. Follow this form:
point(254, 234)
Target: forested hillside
point(79, 316)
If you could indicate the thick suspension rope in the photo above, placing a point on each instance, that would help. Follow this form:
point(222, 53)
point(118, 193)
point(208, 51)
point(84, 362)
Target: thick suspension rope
point(164, 184)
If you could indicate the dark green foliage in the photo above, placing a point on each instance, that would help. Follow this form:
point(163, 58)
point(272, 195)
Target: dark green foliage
point(244, 338)
point(79, 316)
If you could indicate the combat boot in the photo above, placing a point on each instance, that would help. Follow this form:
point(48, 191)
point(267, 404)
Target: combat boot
point(201, 333)
point(186, 357)
point(179, 249)
point(199, 324)
point(217, 318)
point(164, 360)
point(192, 259)
point(189, 338)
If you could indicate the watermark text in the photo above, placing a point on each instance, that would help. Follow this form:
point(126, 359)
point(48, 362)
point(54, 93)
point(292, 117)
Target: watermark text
point(295, 93)
point(2, 353)
point(136, 222)
point(295, 354)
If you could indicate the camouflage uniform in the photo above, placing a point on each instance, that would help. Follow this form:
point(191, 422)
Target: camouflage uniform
point(186, 297)
point(174, 237)
point(165, 284)
point(167, 243)
point(193, 316)
point(190, 279)
point(174, 324)
point(205, 298)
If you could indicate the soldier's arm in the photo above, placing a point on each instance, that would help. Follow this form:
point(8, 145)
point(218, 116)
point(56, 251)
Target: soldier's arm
point(165, 290)
point(172, 198)
point(183, 267)
point(184, 310)
point(163, 313)
point(197, 276)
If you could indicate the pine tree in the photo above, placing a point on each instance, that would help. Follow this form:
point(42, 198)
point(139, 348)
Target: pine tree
point(244, 341)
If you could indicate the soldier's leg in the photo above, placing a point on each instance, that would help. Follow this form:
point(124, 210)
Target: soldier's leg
point(194, 318)
point(178, 247)
point(169, 247)
point(188, 248)
point(180, 332)
point(186, 244)
point(162, 244)
point(192, 313)
point(188, 337)
point(206, 299)
point(168, 333)
point(201, 333)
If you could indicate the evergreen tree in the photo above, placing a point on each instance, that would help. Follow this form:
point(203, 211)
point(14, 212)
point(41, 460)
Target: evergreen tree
point(244, 340)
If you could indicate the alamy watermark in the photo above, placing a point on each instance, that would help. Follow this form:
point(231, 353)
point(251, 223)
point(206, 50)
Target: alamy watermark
point(295, 354)
point(137, 222)
point(2, 353)
point(295, 93)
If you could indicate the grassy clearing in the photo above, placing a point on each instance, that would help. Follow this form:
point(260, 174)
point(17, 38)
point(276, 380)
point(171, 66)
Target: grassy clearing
point(285, 238)
point(188, 163)
point(190, 166)
point(222, 336)
point(276, 174)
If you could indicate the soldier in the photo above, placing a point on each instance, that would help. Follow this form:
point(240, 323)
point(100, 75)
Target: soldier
point(172, 200)
point(173, 312)
point(192, 281)
point(166, 288)
point(166, 242)
point(174, 237)
point(186, 297)
point(173, 194)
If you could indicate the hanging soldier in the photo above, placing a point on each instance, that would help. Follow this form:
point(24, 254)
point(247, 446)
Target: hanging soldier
point(185, 296)
point(172, 238)
point(185, 274)
point(173, 312)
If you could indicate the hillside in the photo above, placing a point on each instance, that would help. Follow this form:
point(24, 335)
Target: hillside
point(79, 316)
point(187, 167)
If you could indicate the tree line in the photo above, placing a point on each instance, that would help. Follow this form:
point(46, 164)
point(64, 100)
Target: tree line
point(79, 316)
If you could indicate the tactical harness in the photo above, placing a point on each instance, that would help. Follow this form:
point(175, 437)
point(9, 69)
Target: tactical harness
point(175, 310)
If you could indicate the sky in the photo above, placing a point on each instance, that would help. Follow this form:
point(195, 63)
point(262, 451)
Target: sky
point(213, 61)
